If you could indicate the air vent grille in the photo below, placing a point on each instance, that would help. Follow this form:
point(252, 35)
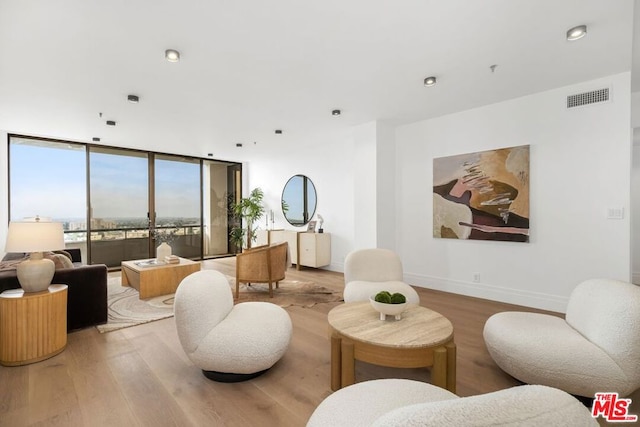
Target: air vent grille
point(587, 98)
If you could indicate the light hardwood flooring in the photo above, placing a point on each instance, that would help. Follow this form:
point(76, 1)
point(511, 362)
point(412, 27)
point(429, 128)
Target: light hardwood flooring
point(141, 377)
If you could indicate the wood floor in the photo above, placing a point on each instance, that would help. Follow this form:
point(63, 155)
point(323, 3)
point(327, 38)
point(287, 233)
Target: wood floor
point(141, 377)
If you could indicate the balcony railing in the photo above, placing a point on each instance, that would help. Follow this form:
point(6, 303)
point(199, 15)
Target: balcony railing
point(111, 246)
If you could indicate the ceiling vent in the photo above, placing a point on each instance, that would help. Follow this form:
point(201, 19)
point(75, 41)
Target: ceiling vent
point(588, 98)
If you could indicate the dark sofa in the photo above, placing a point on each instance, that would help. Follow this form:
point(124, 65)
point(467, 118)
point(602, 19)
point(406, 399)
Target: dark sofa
point(87, 293)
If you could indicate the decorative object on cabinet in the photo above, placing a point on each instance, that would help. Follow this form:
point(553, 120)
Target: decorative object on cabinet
point(320, 222)
point(35, 236)
point(247, 211)
point(311, 227)
point(299, 200)
point(482, 195)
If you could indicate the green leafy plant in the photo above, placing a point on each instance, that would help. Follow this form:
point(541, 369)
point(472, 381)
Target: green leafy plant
point(247, 212)
point(389, 298)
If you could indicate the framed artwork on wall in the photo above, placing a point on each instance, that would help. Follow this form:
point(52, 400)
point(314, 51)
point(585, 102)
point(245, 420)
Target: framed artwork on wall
point(482, 195)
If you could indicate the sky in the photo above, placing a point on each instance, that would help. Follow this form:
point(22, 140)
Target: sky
point(51, 182)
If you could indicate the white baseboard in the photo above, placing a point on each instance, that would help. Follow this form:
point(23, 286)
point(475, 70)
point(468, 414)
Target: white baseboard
point(494, 293)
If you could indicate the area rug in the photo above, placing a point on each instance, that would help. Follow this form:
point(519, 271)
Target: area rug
point(288, 293)
point(126, 309)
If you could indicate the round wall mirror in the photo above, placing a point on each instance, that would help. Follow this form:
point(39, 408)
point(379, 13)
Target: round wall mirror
point(299, 200)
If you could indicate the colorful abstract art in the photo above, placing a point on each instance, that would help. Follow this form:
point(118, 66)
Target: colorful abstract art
point(482, 195)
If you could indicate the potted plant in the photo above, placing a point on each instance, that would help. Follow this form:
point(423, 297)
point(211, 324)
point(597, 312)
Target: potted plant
point(247, 212)
point(387, 303)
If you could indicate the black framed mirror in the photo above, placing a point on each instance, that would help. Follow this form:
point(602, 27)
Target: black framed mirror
point(299, 200)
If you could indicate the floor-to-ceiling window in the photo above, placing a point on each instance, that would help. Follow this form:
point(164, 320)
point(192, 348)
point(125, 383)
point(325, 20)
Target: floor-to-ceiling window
point(177, 202)
point(47, 179)
point(118, 204)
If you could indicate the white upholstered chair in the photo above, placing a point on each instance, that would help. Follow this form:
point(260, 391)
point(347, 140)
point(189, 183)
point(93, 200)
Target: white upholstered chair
point(369, 271)
point(596, 349)
point(228, 342)
point(399, 402)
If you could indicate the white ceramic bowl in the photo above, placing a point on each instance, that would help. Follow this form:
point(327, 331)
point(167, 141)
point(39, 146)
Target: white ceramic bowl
point(388, 309)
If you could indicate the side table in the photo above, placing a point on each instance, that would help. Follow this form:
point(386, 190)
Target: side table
point(33, 326)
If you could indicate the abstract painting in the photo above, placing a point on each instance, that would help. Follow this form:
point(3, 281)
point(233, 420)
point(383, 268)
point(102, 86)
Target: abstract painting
point(482, 195)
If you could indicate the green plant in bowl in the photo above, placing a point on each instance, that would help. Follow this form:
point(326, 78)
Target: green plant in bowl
point(383, 297)
point(387, 303)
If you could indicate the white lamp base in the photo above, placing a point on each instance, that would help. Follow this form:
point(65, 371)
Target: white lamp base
point(35, 274)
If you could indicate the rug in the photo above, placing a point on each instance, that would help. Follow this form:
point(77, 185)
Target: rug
point(289, 292)
point(126, 309)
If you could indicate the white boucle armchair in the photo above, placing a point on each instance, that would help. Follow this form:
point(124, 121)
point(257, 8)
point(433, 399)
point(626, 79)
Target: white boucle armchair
point(369, 271)
point(596, 349)
point(400, 402)
point(230, 343)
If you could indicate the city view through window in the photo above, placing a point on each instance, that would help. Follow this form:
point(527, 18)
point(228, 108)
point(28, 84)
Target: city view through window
point(49, 179)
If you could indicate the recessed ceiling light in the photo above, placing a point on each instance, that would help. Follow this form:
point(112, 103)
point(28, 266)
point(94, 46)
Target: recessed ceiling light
point(278, 131)
point(210, 154)
point(111, 122)
point(134, 99)
point(430, 81)
point(336, 112)
point(95, 139)
point(238, 144)
point(576, 33)
point(172, 55)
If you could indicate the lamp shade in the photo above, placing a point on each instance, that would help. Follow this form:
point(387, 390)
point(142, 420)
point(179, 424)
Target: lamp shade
point(36, 236)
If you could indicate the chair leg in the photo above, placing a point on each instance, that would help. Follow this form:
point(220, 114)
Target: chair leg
point(237, 287)
point(270, 290)
point(277, 285)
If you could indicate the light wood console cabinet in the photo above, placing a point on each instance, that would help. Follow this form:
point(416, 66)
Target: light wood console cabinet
point(306, 249)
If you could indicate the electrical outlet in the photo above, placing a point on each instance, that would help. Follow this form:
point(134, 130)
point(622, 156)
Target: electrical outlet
point(476, 277)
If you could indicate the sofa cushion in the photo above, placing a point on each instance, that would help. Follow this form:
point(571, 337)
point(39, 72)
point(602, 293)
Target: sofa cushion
point(14, 256)
point(60, 261)
point(10, 265)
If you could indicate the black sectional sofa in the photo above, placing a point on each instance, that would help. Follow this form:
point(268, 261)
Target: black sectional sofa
point(87, 294)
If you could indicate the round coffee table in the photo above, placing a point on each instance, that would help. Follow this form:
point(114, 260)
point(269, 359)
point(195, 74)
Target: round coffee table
point(421, 338)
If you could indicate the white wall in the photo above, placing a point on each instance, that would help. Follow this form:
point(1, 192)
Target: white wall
point(580, 166)
point(635, 208)
point(330, 168)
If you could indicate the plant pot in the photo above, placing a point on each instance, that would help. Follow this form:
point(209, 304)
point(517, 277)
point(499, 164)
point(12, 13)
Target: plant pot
point(388, 309)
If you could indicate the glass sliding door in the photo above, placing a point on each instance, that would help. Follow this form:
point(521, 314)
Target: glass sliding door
point(47, 178)
point(118, 206)
point(177, 218)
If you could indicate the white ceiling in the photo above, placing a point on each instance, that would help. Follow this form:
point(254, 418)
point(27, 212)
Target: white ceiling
point(250, 67)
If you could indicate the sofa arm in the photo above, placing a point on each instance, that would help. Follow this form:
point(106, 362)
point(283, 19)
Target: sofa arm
point(87, 301)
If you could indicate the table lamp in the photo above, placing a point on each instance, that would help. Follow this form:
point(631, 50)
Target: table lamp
point(35, 236)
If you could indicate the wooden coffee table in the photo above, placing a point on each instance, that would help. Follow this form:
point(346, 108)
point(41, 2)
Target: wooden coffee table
point(421, 338)
point(155, 280)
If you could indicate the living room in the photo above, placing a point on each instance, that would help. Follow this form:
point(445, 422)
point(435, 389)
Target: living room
point(373, 165)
